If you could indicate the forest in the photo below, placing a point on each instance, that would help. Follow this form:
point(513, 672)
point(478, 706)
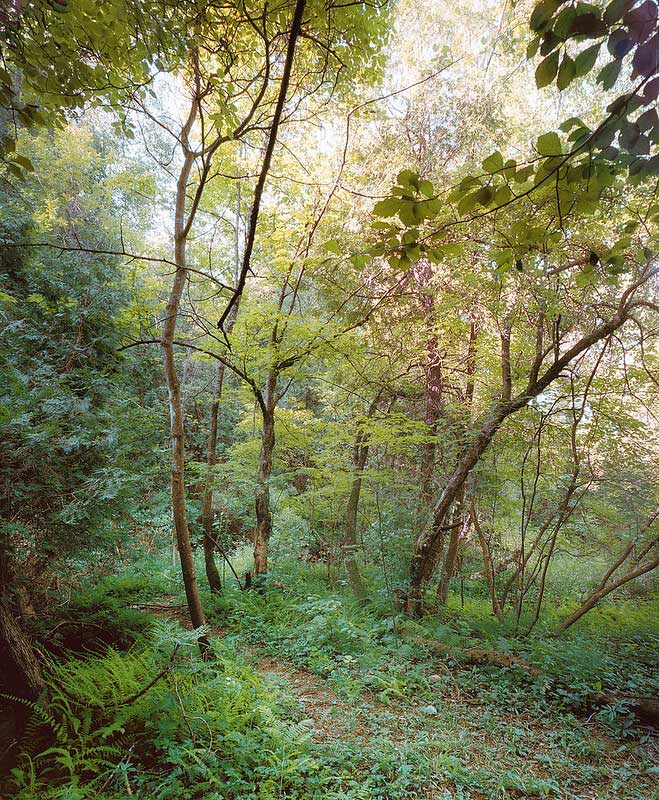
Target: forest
point(329, 399)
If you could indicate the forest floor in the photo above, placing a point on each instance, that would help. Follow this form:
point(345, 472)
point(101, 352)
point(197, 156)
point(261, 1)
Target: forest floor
point(430, 728)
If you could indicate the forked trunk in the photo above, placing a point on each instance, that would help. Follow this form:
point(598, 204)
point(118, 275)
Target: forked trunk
point(176, 413)
point(424, 558)
point(427, 547)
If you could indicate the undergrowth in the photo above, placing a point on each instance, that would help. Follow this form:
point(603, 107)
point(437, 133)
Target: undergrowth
point(406, 721)
point(206, 729)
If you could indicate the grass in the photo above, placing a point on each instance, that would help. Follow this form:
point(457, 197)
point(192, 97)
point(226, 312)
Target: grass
point(497, 732)
point(312, 695)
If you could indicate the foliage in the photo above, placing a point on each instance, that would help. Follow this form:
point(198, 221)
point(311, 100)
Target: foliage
point(429, 375)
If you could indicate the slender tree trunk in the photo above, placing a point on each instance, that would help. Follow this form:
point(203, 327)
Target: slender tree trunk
point(176, 411)
point(433, 386)
point(212, 573)
point(461, 521)
point(359, 458)
point(487, 564)
point(605, 588)
point(263, 529)
point(458, 532)
point(601, 593)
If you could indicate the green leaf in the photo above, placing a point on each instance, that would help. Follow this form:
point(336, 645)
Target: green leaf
point(469, 183)
point(589, 25)
point(564, 22)
point(615, 10)
point(24, 162)
point(408, 178)
point(586, 59)
point(523, 174)
point(428, 209)
point(494, 162)
point(359, 260)
point(586, 278)
point(532, 47)
point(549, 144)
point(550, 41)
point(387, 208)
point(572, 122)
point(608, 75)
point(509, 168)
point(467, 203)
point(502, 195)
point(543, 12)
point(15, 170)
point(333, 247)
point(426, 188)
point(408, 213)
point(546, 71)
point(485, 196)
point(566, 73)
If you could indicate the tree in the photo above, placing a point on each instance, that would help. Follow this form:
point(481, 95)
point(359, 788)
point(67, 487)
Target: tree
point(67, 397)
point(232, 93)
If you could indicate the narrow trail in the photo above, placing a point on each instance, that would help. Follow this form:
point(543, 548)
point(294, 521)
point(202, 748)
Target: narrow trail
point(449, 749)
point(327, 715)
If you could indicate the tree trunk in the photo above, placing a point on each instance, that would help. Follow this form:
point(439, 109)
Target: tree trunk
point(359, 458)
point(176, 412)
point(458, 532)
point(600, 594)
point(263, 529)
point(424, 558)
point(459, 526)
point(487, 564)
point(427, 546)
point(21, 671)
point(433, 385)
point(212, 574)
point(605, 588)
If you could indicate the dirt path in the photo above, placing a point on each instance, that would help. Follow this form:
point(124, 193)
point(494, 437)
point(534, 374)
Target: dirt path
point(327, 715)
